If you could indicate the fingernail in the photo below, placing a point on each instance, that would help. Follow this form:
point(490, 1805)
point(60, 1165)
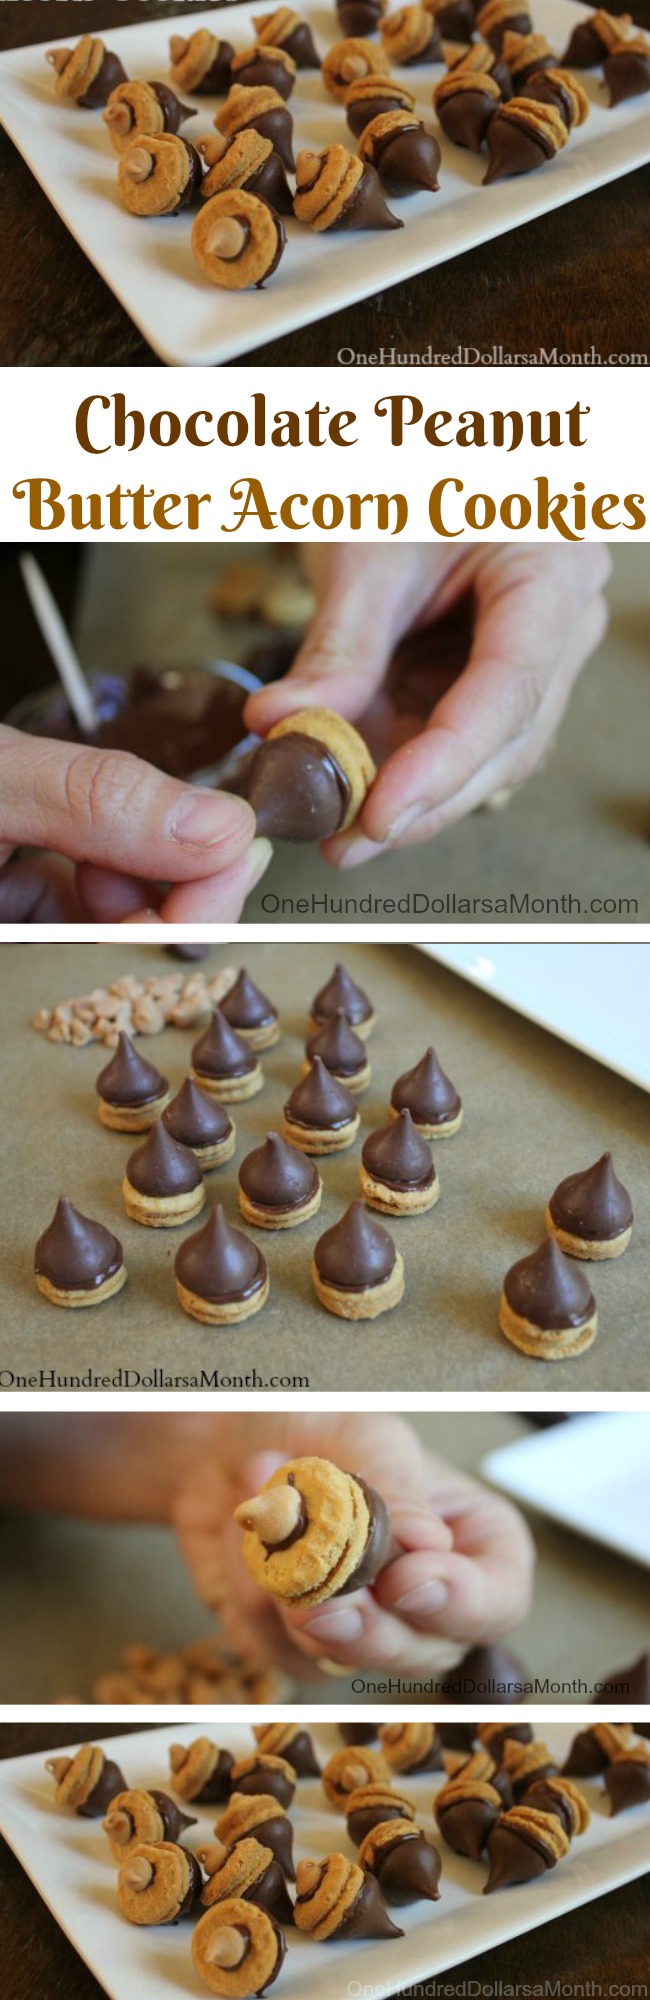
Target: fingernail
point(256, 861)
point(425, 1602)
point(336, 1628)
point(206, 819)
point(359, 851)
point(406, 818)
point(332, 1667)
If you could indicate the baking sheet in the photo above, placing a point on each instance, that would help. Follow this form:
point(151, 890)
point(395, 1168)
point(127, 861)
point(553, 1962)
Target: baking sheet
point(69, 1862)
point(535, 1110)
point(150, 267)
point(592, 1474)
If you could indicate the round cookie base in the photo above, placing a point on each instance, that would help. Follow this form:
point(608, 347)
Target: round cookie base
point(361, 1028)
point(76, 1299)
point(231, 1089)
point(269, 1218)
point(361, 1305)
point(210, 1313)
point(546, 1343)
point(428, 1131)
point(355, 1083)
point(162, 1211)
point(591, 1249)
point(263, 1037)
point(215, 1156)
point(310, 1140)
point(397, 1201)
point(133, 1117)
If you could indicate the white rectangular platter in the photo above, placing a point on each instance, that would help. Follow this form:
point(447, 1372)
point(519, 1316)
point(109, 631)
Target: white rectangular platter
point(595, 998)
point(592, 1473)
point(149, 265)
point(69, 1862)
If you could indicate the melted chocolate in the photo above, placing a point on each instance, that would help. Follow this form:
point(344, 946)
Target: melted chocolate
point(593, 1204)
point(109, 1783)
point(340, 1049)
point(357, 1253)
point(342, 991)
point(549, 1289)
point(278, 1176)
point(466, 1824)
point(194, 1119)
point(179, 719)
point(426, 1092)
point(381, 1547)
point(398, 1156)
point(319, 1102)
point(74, 1253)
point(297, 789)
point(409, 160)
point(161, 1166)
point(368, 1916)
point(220, 1052)
point(128, 1079)
point(408, 1869)
point(245, 1007)
point(300, 45)
point(195, 1886)
point(367, 208)
point(218, 1262)
point(194, 178)
point(108, 76)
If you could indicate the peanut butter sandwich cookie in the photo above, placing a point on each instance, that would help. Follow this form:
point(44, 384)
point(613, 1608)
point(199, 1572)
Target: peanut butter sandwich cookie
point(312, 773)
point(524, 54)
point(411, 1746)
point(249, 1870)
point(250, 1013)
point(285, 29)
point(559, 1795)
point(548, 1309)
point(86, 1783)
point(337, 1899)
point(291, 1742)
point(315, 1532)
point(279, 1186)
point(397, 1174)
point(201, 63)
point(497, 16)
point(468, 1807)
point(357, 1271)
point(260, 109)
point(132, 1093)
point(466, 101)
point(77, 1262)
point(221, 1277)
point(262, 1771)
point(627, 1779)
point(137, 1815)
point(595, 1748)
point(140, 110)
point(350, 60)
point(336, 190)
point(200, 1771)
point(411, 35)
point(321, 1115)
point(158, 1883)
point(371, 96)
point(592, 39)
point(237, 1949)
point(87, 74)
point(405, 1864)
point(261, 1817)
point(263, 64)
point(342, 1051)
point(341, 990)
point(247, 161)
point(163, 1184)
point(354, 1769)
point(159, 175)
point(431, 1098)
point(559, 87)
point(523, 1845)
point(590, 1213)
point(406, 156)
point(522, 136)
point(222, 1062)
point(202, 1123)
point(373, 1804)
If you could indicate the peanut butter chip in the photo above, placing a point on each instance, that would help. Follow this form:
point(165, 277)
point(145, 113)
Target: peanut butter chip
point(140, 164)
point(227, 1948)
point(275, 1515)
point(307, 169)
point(138, 1873)
point(352, 67)
point(226, 239)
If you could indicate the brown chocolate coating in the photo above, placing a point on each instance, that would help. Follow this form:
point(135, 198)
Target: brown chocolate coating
point(217, 1787)
point(408, 1869)
point(543, 1799)
point(398, 1156)
point(635, 1682)
point(518, 22)
point(361, 1822)
point(220, 1263)
point(161, 1166)
point(111, 73)
point(359, 115)
point(627, 1781)
point(109, 1783)
point(297, 789)
point(367, 208)
point(342, 991)
point(244, 1006)
point(278, 1835)
point(368, 1916)
point(466, 116)
point(409, 161)
point(358, 1732)
point(426, 1092)
point(278, 1176)
point(75, 1253)
point(466, 1824)
point(457, 20)
point(513, 149)
point(546, 90)
point(489, 1673)
point(194, 177)
point(339, 1048)
point(381, 1548)
point(356, 1253)
point(457, 1735)
point(217, 79)
point(549, 1289)
point(263, 70)
point(359, 17)
point(588, 1756)
point(128, 1079)
point(593, 1204)
point(174, 1821)
point(627, 73)
point(584, 48)
point(220, 1051)
point(194, 1119)
point(277, 125)
point(174, 112)
point(270, 1893)
point(271, 185)
point(514, 1858)
point(301, 45)
point(319, 1101)
point(265, 1778)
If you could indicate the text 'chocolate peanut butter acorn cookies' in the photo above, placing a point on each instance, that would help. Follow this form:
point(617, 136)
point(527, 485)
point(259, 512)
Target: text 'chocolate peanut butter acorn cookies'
point(336, 190)
point(237, 240)
point(338, 1899)
point(77, 1262)
point(314, 1532)
point(237, 1949)
point(357, 1271)
point(312, 774)
point(221, 1276)
point(87, 74)
point(159, 174)
point(158, 1883)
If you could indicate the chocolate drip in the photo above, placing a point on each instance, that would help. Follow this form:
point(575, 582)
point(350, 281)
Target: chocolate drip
point(592, 1204)
point(194, 1119)
point(174, 112)
point(220, 1052)
point(368, 1916)
point(245, 1007)
point(409, 1869)
point(76, 1254)
point(357, 1253)
point(340, 1049)
point(549, 1289)
point(367, 208)
point(381, 1547)
point(319, 1101)
point(109, 1783)
point(398, 1156)
point(128, 1079)
point(426, 1092)
point(161, 1166)
point(278, 1176)
point(219, 1262)
point(297, 789)
point(408, 161)
point(108, 76)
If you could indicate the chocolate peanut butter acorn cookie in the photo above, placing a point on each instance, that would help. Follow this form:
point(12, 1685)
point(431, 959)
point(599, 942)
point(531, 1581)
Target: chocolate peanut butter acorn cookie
point(321, 1115)
point(357, 1271)
point(524, 54)
point(285, 29)
point(465, 101)
point(163, 1184)
point(261, 1816)
point(336, 190)
point(373, 1804)
point(222, 1062)
point(524, 1844)
point(593, 1749)
point(360, 17)
point(591, 40)
point(77, 1262)
point(411, 35)
point(481, 58)
point(350, 60)
point(159, 175)
point(494, 1736)
point(314, 1532)
point(132, 1093)
point(158, 1883)
point(561, 88)
point(140, 110)
point(337, 1899)
point(406, 156)
point(431, 1098)
point(455, 19)
point(262, 1771)
point(87, 74)
point(341, 990)
point(406, 1865)
point(201, 63)
point(260, 109)
point(468, 1807)
point(249, 1870)
point(342, 1051)
point(291, 1742)
point(253, 1016)
point(237, 1949)
point(371, 96)
point(590, 1214)
point(311, 775)
point(627, 69)
point(237, 240)
point(201, 1771)
point(353, 1769)
point(627, 1778)
point(86, 1783)
point(548, 1309)
point(525, 1763)
point(397, 1174)
point(137, 1815)
point(202, 1123)
point(263, 64)
point(411, 1746)
point(279, 1186)
point(497, 16)
point(522, 136)
point(221, 1277)
point(559, 1795)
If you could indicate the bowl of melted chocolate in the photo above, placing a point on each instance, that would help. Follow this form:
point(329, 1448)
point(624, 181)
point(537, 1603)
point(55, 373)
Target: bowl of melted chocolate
point(187, 721)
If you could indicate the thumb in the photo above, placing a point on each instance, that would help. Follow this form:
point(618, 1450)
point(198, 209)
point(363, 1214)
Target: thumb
point(109, 807)
point(365, 605)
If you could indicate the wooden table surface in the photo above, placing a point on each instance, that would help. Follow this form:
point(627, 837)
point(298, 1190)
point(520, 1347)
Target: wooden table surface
point(605, 1942)
point(573, 279)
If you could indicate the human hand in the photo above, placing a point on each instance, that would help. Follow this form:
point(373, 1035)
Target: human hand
point(127, 830)
point(464, 1577)
point(538, 613)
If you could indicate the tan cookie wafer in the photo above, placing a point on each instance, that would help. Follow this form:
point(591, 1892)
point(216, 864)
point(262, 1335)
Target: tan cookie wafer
point(637, 1753)
point(578, 98)
point(313, 1140)
point(212, 1312)
point(263, 52)
point(479, 1768)
point(592, 1249)
point(461, 1788)
point(368, 1304)
point(158, 1211)
point(325, 185)
point(366, 89)
point(479, 58)
point(237, 1873)
point(609, 27)
point(350, 60)
point(385, 1834)
point(244, 105)
point(269, 1218)
point(397, 1201)
point(216, 1156)
point(352, 1770)
point(192, 1765)
point(544, 1343)
point(192, 59)
point(232, 166)
point(237, 1949)
point(378, 1796)
point(132, 1117)
point(131, 108)
point(544, 1829)
point(564, 1789)
point(339, 737)
point(94, 1297)
point(229, 1089)
point(494, 14)
point(387, 125)
point(245, 1813)
point(275, 1737)
point(326, 1892)
point(406, 33)
point(613, 1738)
point(132, 1816)
point(154, 173)
point(406, 1744)
point(276, 28)
point(332, 1540)
point(80, 68)
point(270, 1762)
point(459, 81)
point(155, 1881)
point(75, 1785)
point(445, 1130)
point(543, 121)
point(517, 50)
point(522, 1760)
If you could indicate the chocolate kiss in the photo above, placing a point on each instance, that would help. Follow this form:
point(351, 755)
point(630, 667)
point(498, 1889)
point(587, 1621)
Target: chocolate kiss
point(628, 1783)
point(467, 1824)
point(245, 1006)
point(593, 1203)
point(457, 21)
point(301, 1755)
point(519, 24)
point(342, 991)
point(276, 1175)
point(627, 73)
point(340, 1049)
point(173, 111)
point(219, 1262)
point(217, 78)
point(368, 1916)
point(263, 1778)
point(263, 70)
point(513, 1859)
point(320, 1101)
point(277, 125)
point(358, 1732)
point(426, 1092)
point(585, 49)
point(109, 1783)
point(357, 1253)
point(359, 115)
point(541, 87)
point(410, 161)
point(174, 1821)
point(296, 789)
point(465, 117)
point(543, 1799)
point(398, 1155)
point(76, 1253)
point(549, 1289)
point(108, 76)
point(367, 1817)
point(300, 44)
point(367, 208)
point(161, 1166)
point(587, 1758)
point(128, 1079)
point(221, 1052)
point(635, 1680)
point(270, 1893)
point(410, 1870)
point(271, 184)
point(195, 1119)
point(511, 150)
point(278, 1835)
point(493, 1664)
point(359, 17)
